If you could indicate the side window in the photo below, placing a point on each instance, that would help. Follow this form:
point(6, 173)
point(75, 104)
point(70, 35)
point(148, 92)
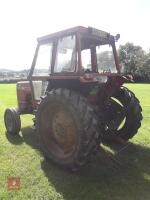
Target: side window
point(43, 62)
point(105, 59)
point(86, 59)
point(65, 57)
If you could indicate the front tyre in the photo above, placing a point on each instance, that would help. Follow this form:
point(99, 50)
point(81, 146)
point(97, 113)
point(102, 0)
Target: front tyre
point(12, 121)
point(67, 128)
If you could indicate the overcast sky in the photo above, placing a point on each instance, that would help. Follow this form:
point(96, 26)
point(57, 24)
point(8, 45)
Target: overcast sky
point(21, 22)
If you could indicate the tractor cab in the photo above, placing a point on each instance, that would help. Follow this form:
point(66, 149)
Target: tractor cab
point(72, 58)
point(74, 52)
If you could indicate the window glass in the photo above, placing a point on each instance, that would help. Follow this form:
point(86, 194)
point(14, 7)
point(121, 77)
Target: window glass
point(39, 88)
point(86, 59)
point(65, 58)
point(43, 62)
point(105, 59)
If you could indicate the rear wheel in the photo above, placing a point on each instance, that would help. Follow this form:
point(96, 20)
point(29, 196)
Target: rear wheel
point(124, 114)
point(67, 128)
point(12, 121)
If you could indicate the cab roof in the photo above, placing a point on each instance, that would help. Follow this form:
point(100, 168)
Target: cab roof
point(90, 31)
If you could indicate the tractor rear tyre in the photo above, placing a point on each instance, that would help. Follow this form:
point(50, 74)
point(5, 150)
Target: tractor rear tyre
point(12, 121)
point(125, 115)
point(67, 128)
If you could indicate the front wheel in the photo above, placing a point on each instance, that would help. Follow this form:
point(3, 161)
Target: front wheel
point(123, 114)
point(12, 121)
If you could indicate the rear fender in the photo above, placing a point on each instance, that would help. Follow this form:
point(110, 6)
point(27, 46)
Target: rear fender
point(100, 95)
point(115, 82)
point(112, 85)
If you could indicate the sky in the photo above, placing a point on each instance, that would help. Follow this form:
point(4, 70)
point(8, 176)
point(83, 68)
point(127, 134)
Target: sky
point(23, 21)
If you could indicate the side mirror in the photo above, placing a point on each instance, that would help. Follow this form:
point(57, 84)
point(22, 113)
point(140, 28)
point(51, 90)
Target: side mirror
point(117, 37)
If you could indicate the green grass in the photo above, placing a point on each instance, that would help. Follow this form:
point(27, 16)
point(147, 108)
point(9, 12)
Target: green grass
point(102, 180)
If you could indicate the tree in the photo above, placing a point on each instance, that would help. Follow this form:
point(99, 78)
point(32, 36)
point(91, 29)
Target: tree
point(131, 57)
point(105, 61)
point(143, 70)
point(135, 61)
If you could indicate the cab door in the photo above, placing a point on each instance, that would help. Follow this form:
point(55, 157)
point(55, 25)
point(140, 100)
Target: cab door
point(42, 69)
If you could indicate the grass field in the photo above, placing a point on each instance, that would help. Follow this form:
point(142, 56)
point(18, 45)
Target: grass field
point(102, 180)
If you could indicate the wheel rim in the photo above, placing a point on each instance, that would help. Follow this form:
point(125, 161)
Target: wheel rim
point(117, 116)
point(9, 122)
point(59, 131)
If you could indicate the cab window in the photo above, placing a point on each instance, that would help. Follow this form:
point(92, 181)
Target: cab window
point(65, 56)
point(43, 62)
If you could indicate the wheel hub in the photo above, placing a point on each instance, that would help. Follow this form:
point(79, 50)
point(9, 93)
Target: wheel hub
point(63, 129)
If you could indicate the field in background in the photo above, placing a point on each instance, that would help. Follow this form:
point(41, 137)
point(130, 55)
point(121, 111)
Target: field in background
point(104, 179)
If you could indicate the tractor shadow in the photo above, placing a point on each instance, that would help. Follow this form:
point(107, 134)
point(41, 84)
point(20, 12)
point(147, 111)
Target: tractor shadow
point(27, 135)
point(109, 176)
point(125, 176)
point(30, 137)
point(14, 139)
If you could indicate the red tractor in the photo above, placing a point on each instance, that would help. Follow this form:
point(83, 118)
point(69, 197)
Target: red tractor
point(75, 90)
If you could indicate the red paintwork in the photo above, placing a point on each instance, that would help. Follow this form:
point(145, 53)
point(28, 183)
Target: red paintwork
point(23, 89)
point(108, 89)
